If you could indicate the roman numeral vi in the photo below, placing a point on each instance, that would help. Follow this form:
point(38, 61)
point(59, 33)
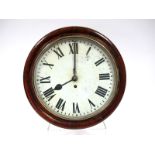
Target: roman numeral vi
point(76, 108)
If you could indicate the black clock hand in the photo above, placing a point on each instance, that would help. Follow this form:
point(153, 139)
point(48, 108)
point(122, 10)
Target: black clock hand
point(59, 86)
point(74, 67)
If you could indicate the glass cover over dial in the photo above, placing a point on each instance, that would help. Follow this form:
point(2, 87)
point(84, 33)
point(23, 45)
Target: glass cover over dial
point(75, 77)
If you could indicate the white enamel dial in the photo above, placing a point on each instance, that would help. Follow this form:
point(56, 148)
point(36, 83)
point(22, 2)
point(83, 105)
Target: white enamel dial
point(71, 94)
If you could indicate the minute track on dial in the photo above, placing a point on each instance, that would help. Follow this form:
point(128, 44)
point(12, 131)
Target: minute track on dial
point(75, 49)
point(82, 97)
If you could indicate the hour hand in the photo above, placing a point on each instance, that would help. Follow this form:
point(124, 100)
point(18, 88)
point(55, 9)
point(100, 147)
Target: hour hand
point(59, 86)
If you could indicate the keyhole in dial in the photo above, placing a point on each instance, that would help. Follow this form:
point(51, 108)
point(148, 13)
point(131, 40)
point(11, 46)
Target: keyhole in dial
point(75, 86)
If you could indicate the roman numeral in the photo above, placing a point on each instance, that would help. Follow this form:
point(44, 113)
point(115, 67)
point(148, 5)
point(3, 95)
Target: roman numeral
point(47, 64)
point(49, 93)
point(60, 104)
point(58, 52)
point(88, 50)
point(73, 48)
point(76, 108)
point(99, 61)
point(105, 76)
point(45, 79)
point(101, 91)
point(91, 103)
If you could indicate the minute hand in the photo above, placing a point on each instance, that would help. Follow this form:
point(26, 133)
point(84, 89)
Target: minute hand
point(74, 68)
point(75, 52)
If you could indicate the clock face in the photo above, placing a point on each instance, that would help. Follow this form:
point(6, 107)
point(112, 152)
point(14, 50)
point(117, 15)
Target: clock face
point(75, 77)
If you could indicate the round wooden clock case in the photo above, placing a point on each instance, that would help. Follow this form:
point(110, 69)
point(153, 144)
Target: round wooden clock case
point(38, 104)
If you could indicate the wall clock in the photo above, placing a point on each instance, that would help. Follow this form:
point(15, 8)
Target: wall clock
point(74, 77)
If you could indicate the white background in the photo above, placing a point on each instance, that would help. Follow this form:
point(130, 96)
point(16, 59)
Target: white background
point(129, 130)
point(69, 9)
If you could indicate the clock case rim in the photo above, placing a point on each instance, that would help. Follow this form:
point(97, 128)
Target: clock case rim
point(29, 84)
